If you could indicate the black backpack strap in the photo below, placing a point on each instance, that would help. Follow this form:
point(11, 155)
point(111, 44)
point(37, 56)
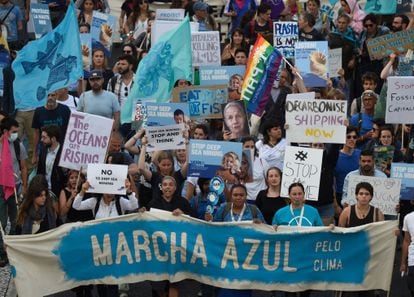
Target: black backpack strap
point(359, 104)
point(118, 205)
point(98, 203)
point(16, 145)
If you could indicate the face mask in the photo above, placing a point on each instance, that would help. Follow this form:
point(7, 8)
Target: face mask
point(13, 137)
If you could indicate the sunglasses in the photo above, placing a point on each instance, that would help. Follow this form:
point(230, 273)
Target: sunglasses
point(351, 137)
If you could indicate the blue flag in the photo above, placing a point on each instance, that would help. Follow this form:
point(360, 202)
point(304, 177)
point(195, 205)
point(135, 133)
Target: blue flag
point(381, 6)
point(168, 60)
point(49, 63)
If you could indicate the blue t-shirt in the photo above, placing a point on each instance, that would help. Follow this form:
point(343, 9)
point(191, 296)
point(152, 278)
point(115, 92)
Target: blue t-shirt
point(310, 217)
point(366, 124)
point(344, 165)
point(221, 216)
point(15, 16)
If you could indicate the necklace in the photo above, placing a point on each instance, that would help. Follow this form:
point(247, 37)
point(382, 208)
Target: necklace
point(298, 223)
point(240, 215)
point(361, 213)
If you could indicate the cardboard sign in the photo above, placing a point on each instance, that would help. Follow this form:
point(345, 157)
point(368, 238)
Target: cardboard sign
point(206, 48)
point(404, 172)
point(312, 60)
point(285, 36)
point(163, 114)
point(208, 158)
point(165, 138)
point(335, 61)
point(107, 178)
point(204, 101)
point(321, 121)
point(382, 46)
point(302, 165)
point(86, 140)
point(306, 95)
point(41, 19)
point(386, 192)
point(102, 30)
point(169, 14)
point(400, 100)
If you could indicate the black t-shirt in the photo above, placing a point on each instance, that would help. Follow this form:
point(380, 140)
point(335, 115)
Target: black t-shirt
point(58, 116)
point(313, 35)
point(269, 205)
point(176, 202)
point(156, 180)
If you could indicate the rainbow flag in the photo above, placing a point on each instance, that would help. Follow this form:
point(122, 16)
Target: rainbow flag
point(262, 67)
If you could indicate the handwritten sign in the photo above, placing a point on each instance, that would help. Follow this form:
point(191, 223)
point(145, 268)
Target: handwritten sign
point(164, 114)
point(404, 172)
point(382, 46)
point(206, 48)
point(319, 120)
point(208, 157)
point(107, 178)
point(335, 61)
point(86, 140)
point(386, 192)
point(169, 14)
point(165, 137)
point(312, 59)
point(302, 165)
point(41, 19)
point(400, 100)
point(285, 36)
point(204, 101)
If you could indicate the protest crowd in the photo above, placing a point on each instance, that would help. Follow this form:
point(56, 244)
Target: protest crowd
point(292, 113)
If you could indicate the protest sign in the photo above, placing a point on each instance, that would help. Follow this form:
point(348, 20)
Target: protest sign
point(163, 114)
point(139, 115)
point(209, 158)
point(285, 36)
point(400, 100)
point(163, 138)
point(219, 75)
point(4, 62)
point(41, 19)
point(404, 172)
point(312, 60)
point(382, 46)
point(107, 178)
point(335, 61)
point(383, 155)
point(204, 101)
point(386, 192)
point(86, 140)
point(102, 31)
point(302, 165)
point(159, 27)
point(321, 121)
point(169, 14)
point(206, 48)
point(298, 96)
point(157, 246)
point(86, 44)
point(235, 120)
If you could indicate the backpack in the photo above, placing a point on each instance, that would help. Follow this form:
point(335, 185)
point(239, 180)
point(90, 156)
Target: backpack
point(253, 210)
point(117, 205)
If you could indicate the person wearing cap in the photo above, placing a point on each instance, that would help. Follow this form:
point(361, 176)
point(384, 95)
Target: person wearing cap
point(364, 120)
point(202, 17)
point(98, 101)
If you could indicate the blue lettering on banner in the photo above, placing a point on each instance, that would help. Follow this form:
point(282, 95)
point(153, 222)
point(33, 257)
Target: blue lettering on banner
point(121, 248)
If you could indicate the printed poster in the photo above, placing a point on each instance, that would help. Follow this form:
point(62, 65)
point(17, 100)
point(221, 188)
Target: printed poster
point(404, 172)
point(107, 178)
point(163, 138)
point(40, 15)
point(312, 60)
point(163, 114)
point(102, 31)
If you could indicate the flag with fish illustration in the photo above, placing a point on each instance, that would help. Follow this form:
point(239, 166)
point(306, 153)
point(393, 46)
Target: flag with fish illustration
point(261, 71)
point(49, 63)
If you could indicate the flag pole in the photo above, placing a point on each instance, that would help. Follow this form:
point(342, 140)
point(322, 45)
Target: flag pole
point(291, 66)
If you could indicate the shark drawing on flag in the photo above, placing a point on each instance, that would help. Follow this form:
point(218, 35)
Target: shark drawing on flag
point(60, 66)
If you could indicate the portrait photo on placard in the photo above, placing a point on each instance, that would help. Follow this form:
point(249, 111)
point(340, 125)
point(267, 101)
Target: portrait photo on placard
point(235, 120)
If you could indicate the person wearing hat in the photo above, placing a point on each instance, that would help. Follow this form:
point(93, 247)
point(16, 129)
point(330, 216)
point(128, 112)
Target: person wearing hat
point(98, 101)
point(202, 17)
point(364, 120)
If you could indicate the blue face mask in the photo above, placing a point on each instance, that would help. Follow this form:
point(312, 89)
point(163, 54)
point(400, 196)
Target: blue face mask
point(13, 136)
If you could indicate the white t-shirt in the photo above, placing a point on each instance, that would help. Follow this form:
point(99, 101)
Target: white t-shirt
point(408, 226)
point(71, 102)
point(260, 167)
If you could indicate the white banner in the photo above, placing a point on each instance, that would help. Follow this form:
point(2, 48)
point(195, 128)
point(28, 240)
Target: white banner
point(165, 138)
point(86, 140)
point(206, 48)
point(386, 192)
point(302, 165)
point(400, 100)
point(321, 121)
point(159, 246)
point(107, 178)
